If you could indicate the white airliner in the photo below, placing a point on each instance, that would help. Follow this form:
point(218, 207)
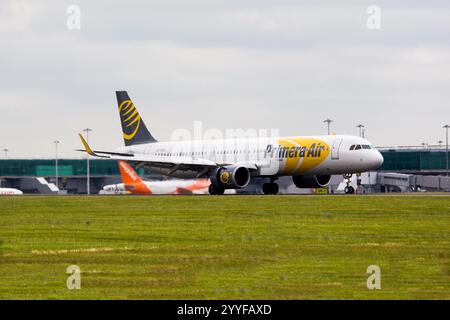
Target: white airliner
point(232, 163)
point(10, 192)
point(133, 184)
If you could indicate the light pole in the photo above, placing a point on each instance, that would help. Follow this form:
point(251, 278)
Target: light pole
point(360, 126)
point(440, 142)
point(6, 153)
point(88, 184)
point(56, 142)
point(446, 147)
point(328, 121)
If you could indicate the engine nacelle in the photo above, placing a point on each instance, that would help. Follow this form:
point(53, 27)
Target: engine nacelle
point(231, 177)
point(311, 181)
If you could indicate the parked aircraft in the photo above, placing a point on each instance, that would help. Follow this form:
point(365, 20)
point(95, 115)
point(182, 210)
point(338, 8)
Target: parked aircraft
point(133, 184)
point(10, 192)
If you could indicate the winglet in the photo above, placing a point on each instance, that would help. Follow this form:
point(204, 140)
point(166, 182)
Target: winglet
point(87, 148)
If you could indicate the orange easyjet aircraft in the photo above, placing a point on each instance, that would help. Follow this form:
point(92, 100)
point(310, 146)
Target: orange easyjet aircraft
point(133, 184)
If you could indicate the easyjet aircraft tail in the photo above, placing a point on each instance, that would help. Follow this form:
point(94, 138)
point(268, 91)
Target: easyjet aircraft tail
point(134, 129)
point(129, 176)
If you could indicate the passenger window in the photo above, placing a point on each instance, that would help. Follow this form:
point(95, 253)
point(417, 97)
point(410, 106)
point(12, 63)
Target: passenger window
point(358, 147)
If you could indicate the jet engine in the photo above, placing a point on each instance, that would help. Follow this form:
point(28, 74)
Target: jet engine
point(319, 181)
point(231, 177)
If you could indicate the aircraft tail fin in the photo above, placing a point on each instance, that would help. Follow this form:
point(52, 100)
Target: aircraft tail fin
point(129, 176)
point(134, 129)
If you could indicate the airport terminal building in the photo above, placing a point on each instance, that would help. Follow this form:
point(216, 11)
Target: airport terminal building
point(39, 175)
point(404, 169)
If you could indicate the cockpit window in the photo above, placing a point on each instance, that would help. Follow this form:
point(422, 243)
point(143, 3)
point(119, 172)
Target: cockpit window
point(360, 146)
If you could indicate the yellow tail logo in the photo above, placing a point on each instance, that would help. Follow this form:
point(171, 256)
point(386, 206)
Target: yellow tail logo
point(130, 119)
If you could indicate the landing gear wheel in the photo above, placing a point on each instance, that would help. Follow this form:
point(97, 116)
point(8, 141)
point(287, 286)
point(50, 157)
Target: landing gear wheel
point(266, 188)
point(274, 188)
point(349, 190)
point(213, 190)
point(270, 188)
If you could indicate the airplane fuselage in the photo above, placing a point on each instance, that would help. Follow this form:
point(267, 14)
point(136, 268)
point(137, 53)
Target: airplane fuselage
point(282, 156)
point(10, 192)
point(199, 186)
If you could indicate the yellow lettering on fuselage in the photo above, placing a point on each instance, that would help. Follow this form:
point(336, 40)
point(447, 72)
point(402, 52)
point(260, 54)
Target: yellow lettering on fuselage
point(300, 155)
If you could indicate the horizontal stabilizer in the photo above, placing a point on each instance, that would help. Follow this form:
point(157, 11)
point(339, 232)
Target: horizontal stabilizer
point(96, 153)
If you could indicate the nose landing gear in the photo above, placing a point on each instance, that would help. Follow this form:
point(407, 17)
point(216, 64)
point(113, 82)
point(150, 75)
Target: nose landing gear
point(348, 188)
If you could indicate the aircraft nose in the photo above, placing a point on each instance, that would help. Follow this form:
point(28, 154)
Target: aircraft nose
point(378, 159)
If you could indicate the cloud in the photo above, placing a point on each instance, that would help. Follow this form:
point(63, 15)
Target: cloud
point(231, 64)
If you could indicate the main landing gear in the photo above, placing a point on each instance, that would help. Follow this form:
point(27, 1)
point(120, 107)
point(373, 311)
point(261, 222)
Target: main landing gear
point(348, 188)
point(215, 190)
point(270, 188)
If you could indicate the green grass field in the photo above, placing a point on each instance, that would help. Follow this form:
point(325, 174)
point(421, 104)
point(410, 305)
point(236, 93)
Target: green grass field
point(229, 247)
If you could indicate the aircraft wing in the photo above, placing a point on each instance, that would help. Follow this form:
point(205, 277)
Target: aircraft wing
point(174, 163)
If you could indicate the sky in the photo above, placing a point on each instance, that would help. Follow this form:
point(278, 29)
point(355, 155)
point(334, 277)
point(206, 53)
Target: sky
point(247, 64)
